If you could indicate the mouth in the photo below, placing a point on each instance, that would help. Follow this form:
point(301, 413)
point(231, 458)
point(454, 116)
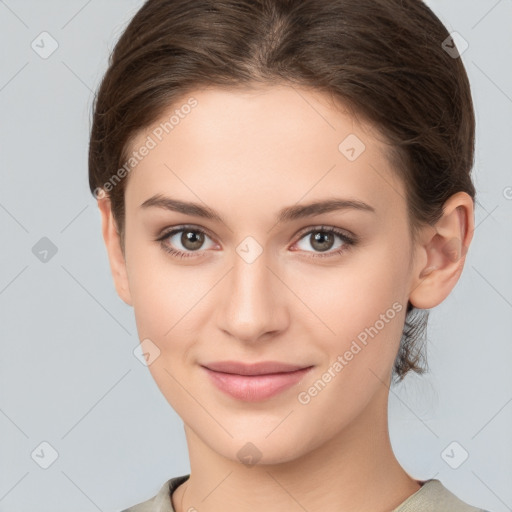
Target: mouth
point(254, 382)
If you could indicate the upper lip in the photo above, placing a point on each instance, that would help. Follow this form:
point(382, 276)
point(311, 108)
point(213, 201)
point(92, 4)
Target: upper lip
point(260, 368)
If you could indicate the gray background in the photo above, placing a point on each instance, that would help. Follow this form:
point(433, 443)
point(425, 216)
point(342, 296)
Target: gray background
point(68, 375)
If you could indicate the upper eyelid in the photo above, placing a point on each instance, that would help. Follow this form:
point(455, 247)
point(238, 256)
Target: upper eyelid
point(172, 231)
point(326, 227)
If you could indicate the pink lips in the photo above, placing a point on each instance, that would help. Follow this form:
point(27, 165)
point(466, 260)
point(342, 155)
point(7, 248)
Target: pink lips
point(254, 382)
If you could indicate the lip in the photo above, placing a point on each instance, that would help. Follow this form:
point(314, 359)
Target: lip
point(260, 368)
point(256, 381)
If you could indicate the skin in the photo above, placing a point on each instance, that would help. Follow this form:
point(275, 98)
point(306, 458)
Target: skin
point(247, 154)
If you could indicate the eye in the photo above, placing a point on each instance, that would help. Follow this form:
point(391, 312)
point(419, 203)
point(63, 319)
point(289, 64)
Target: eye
point(184, 241)
point(322, 239)
point(187, 240)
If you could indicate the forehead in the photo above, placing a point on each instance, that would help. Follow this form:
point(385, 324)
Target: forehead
point(275, 144)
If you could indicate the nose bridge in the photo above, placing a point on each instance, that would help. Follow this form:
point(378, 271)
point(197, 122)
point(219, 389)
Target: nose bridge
point(250, 275)
point(250, 278)
point(250, 307)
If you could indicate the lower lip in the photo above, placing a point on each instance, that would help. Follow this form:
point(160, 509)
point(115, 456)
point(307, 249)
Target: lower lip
point(253, 388)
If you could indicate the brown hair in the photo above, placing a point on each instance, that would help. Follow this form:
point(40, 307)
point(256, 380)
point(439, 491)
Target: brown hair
point(384, 59)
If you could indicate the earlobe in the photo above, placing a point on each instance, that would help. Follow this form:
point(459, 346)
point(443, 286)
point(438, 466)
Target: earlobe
point(115, 254)
point(445, 252)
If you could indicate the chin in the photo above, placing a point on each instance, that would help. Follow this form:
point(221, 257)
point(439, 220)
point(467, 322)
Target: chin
point(252, 448)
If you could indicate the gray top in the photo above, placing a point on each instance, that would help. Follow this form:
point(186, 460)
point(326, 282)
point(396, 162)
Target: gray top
point(433, 496)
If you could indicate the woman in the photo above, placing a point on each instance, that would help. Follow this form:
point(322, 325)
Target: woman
point(284, 188)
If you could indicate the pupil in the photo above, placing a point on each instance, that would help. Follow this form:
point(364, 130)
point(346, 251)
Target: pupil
point(192, 240)
point(319, 237)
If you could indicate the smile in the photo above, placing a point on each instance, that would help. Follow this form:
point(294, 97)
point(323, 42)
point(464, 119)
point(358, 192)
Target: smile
point(252, 383)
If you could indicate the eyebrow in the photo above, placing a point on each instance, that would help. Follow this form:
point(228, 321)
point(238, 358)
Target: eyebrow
point(288, 214)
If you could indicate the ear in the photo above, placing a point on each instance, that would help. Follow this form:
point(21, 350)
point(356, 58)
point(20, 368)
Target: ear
point(115, 253)
point(443, 253)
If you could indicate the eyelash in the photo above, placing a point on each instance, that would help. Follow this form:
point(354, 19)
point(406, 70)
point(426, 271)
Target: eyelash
point(348, 241)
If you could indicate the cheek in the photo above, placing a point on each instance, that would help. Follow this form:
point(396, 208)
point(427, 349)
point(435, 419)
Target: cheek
point(352, 296)
point(166, 303)
point(367, 321)
point(161, 292)
point(360, 308)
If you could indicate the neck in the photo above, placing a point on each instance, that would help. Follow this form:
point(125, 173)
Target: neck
point(355, 470)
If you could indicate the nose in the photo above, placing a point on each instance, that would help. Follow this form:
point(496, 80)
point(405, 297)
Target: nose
point(252, 301)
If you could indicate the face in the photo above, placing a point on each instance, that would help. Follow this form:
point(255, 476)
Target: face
point(265, 276)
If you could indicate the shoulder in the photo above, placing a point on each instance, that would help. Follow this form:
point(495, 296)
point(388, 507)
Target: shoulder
point(433, 496)
point(161, 502)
